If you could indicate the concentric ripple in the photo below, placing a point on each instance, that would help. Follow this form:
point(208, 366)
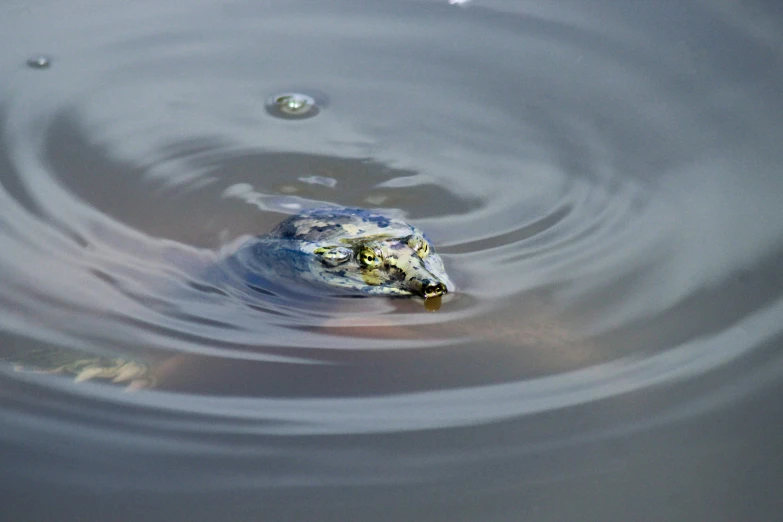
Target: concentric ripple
point(606, 198)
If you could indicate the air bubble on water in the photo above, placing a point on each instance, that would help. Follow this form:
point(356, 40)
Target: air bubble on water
point(39, 61)
point(292, 106)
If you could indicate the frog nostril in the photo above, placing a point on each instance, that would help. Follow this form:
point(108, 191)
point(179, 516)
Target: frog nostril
point(430, 289)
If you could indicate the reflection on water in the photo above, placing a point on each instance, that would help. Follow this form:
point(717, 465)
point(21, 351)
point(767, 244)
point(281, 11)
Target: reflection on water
point(602, 182)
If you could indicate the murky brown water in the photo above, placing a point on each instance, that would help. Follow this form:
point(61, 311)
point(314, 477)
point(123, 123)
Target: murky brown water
point(603, 181)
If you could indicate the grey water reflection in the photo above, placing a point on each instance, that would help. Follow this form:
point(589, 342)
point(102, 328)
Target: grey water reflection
point(602, 180)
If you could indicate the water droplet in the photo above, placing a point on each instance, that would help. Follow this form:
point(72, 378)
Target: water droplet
point(433, 304)
point(39, 61)
point(292, 106)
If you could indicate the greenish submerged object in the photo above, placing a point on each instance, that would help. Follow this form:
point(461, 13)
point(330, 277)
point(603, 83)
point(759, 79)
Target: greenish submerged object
point(337, 250)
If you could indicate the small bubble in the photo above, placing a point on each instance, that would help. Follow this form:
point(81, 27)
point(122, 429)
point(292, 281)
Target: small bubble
point(39, 61)
point(292, 106)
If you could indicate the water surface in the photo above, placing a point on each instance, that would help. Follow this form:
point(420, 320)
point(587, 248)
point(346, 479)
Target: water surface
point(602, 181)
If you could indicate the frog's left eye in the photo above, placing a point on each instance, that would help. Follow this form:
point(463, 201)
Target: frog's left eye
point(369, 258)
point(333, 256)
point(420, 245)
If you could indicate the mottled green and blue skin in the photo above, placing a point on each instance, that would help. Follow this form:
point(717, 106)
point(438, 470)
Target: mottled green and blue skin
point(349, 251)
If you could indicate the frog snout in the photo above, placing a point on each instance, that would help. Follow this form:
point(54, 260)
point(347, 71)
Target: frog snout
point(431, 288)
point(423, 282)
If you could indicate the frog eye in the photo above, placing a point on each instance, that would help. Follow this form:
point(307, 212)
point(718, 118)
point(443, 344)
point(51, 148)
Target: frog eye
point(369, 258)
point(420, 245)
point(333, 256)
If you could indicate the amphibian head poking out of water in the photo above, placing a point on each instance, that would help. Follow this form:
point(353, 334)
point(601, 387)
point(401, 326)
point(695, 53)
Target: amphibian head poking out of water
point(355, 251)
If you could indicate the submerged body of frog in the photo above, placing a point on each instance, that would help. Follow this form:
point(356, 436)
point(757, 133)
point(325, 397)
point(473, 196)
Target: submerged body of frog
point(330, 250)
